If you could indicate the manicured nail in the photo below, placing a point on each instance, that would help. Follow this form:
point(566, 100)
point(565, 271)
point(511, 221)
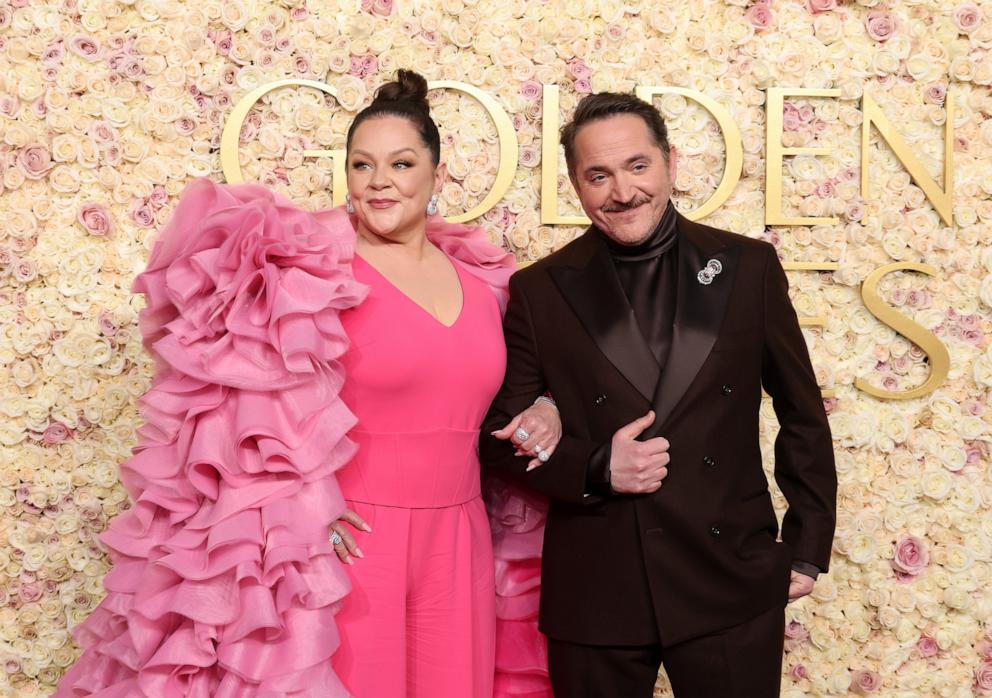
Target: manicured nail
point(358, 552)
point(366, 528)
point(531, 466)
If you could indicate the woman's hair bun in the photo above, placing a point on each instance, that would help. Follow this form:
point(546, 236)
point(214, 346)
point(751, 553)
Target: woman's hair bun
point(409, 87)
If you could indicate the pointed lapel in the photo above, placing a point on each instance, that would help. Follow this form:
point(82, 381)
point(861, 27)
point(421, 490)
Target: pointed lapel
point(592, 289)
point(699, 312)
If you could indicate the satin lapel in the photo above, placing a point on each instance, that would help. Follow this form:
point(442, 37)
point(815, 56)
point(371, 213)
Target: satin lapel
point(699, 313)
point(594, 293)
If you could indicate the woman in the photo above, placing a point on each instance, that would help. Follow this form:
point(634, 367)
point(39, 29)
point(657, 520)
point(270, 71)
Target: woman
point(419, 620)
point(224, 580)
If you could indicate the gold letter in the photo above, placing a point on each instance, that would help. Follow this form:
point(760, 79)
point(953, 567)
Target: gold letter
point(550, 121)
point(941, 199)
point(940, 360)
point(775, 151)
point(230, 137)
point(731, 139)
point(507, 147)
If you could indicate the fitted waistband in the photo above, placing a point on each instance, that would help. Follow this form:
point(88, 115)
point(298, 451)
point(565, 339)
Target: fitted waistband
point(413, 469)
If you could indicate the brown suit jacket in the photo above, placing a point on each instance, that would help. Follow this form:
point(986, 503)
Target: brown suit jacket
point(701, 553)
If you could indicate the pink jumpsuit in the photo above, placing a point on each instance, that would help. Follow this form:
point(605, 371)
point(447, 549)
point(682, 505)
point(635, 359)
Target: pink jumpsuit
point(420, 620)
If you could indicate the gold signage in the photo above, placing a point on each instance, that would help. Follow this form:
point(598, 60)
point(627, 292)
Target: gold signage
point(940, 360)
point(873, 116)
point(941, 199)
point(776, 151)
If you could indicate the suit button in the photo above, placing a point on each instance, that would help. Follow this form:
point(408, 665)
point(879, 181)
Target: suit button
point(600, 399)
point(727, 389)
point(709, 462)
point(715, 531)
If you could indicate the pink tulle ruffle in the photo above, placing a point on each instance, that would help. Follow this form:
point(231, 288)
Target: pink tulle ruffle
point(224, 583)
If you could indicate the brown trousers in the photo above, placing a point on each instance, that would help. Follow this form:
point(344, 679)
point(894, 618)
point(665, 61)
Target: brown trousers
point(744, 661)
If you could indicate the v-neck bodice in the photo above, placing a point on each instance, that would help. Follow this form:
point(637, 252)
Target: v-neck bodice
point(407, 371)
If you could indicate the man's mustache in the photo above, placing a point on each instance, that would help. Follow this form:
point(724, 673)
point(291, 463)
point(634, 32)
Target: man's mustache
point(620, 208)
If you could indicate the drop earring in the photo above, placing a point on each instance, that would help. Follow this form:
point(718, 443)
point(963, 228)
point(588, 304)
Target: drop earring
point(432, 205)
point(348, 206)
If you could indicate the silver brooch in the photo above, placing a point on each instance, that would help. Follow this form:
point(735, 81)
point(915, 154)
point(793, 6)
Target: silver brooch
point(709, 272)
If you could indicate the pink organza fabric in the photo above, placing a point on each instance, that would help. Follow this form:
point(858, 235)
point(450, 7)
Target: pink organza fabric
point(224, 583)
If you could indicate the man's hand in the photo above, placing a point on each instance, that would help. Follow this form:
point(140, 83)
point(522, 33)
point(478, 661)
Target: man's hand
point(800, 585)
point(637, 467)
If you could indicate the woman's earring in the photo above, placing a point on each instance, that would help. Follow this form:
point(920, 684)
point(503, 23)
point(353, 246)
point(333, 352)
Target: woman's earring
point(432, 206)
point(348, 206)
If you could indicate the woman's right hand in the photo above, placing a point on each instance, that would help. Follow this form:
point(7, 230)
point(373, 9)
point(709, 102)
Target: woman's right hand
point(341, 538)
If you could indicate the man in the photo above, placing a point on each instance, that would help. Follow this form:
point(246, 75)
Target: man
point(655, 336)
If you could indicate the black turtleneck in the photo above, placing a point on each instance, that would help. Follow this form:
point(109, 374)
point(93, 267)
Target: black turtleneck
point(648, 274)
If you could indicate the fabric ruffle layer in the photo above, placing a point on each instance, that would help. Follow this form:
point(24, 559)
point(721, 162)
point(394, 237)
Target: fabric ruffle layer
point(224, 583)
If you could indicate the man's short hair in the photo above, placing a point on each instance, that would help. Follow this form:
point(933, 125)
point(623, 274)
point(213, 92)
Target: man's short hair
point(604, 105)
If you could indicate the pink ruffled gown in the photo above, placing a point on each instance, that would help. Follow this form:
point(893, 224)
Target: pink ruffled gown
point(224, 583)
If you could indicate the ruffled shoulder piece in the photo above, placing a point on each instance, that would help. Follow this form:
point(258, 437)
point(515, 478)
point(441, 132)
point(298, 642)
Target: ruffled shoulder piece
point(470, 246)
point(224, 583)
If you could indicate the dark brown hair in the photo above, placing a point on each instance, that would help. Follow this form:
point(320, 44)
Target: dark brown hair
point(405, 97)
point(607, 104)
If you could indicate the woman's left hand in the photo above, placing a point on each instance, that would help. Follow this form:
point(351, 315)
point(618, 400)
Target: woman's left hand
point(535, 432)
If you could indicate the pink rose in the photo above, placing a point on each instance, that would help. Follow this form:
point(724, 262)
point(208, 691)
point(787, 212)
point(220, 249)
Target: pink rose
point(825, 190)
point(983, 678)
point(881, 25)
point(96, 220)
point(142, 214)
point(159, 196)
point(927, 646)
point(25, 271)
point(935, 93)
point(184, 125)
point(759, 15)
point(107, 325)
point(9, 105)
point(864, 682)
point(31, 592)
point(967, 18)
point(224, 43)
point(102, 132)
point(796, 631)
point(583, 87)
point(855, 211)
point(579, 70)
point(383, 8)
point(791, 121)
point(85, 46)
point(798, 672)
point(35, 161)
point(54, 54)
point(819, 6)
point(56, 433)
point(911, 557)
point(531, 90)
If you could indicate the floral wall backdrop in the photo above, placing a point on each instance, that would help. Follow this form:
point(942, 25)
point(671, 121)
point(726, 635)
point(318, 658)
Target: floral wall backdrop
point(109, 108)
